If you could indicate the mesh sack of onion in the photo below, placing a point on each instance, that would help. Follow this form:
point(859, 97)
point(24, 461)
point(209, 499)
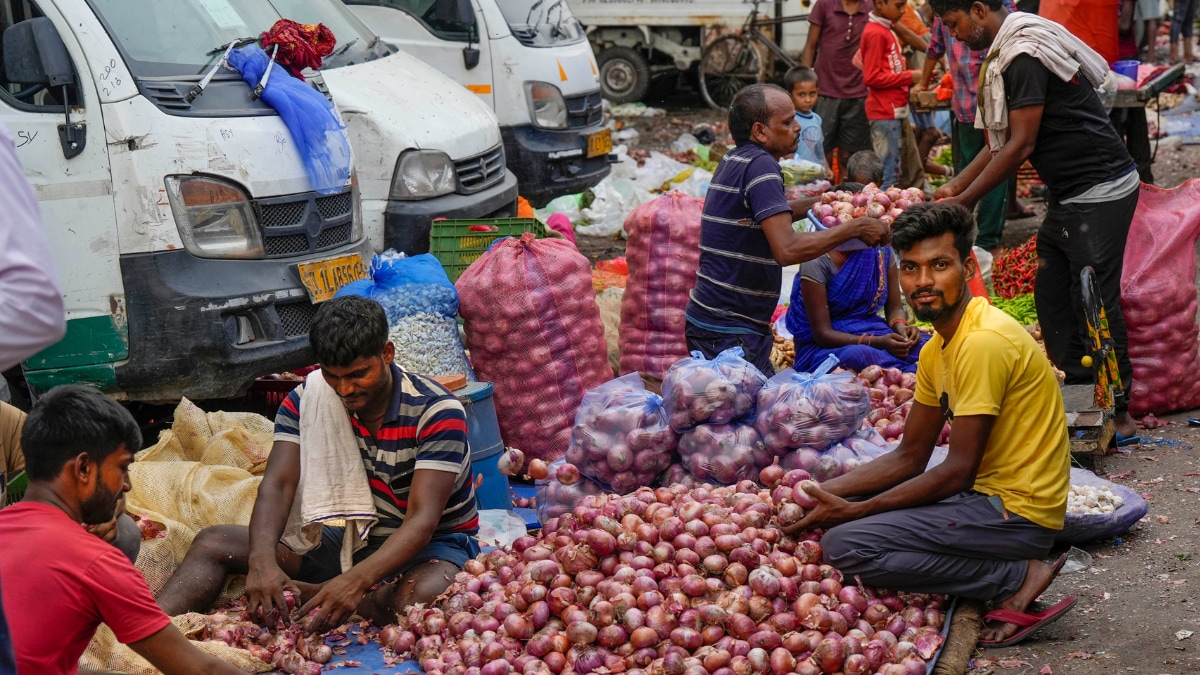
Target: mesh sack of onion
point(621, 437)
point(699, 391)
point(533, 328)
point(675, 581)
point(663, 253)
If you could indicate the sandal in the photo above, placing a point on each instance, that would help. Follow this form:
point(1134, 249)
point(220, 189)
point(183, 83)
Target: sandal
point(1029, 621)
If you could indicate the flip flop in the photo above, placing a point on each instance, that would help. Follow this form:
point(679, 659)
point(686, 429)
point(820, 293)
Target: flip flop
point(1123, 441)
point(1030, 622)
point(1057, 567)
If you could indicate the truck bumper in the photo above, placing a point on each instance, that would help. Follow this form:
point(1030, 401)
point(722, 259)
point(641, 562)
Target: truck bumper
point(406, 225)
point(207, 328)
point(550, 164)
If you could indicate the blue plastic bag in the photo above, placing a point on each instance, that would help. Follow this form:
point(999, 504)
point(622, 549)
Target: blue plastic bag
point(316, 129)
point(421, 305)
point(720, 391)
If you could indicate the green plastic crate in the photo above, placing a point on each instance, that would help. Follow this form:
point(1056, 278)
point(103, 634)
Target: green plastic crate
point(456, 245)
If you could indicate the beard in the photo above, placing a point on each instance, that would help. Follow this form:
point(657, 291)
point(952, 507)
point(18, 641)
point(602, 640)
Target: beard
point(934, 314)
point(978, 40)
point(100, 507)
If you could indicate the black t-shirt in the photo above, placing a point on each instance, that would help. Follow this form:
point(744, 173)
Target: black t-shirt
point(1077, 146)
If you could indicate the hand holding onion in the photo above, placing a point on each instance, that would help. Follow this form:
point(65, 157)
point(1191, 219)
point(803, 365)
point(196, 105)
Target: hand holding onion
point(829, 509)
point(333, 604)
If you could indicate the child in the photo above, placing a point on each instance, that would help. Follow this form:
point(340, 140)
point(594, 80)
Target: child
point(801, 83)
point(888, 83)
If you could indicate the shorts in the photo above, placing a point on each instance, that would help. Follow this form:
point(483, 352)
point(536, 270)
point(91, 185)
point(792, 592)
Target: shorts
point(756, 347)
point(844, 123)
point(923, 120)
point(325, 561)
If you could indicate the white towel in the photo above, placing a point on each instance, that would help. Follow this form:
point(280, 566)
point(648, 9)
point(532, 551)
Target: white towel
point(1062, 53)
point(333, 480)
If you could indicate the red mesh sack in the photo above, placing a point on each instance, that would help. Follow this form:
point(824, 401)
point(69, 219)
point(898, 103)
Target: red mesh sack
point(1158, 299)
point(533, 329)
point(663, 254)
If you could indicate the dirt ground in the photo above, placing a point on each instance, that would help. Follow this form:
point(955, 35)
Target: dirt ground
point(1138, 602)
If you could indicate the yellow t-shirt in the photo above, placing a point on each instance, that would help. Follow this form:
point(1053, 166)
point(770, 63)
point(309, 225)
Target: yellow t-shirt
point(992, 366)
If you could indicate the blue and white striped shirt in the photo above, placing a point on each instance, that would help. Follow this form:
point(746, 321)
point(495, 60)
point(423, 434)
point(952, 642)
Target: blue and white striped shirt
point(737, 285)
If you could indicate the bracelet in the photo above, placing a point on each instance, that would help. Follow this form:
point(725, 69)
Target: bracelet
point(893, 322)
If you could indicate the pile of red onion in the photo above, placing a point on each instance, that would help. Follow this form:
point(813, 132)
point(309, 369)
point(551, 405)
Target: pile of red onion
point(285, 648)
point(670, 581)
point(891, 394)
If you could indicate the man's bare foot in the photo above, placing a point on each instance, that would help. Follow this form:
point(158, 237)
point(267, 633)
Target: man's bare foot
point(1126, 427)
point(1037, 579)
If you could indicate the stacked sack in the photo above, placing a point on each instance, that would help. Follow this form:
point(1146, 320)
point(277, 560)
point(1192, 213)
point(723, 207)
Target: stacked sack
point(533, 327)
point(709, 404)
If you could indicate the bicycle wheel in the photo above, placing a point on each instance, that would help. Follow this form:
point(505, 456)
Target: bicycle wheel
point(727, 65)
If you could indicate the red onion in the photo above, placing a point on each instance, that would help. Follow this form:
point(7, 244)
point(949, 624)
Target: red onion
point(581, 633)
point(771, 476)
point(829, 655)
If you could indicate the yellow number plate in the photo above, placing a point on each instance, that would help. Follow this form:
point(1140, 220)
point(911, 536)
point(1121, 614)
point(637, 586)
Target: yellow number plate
point(323, 278)
point(599, 143)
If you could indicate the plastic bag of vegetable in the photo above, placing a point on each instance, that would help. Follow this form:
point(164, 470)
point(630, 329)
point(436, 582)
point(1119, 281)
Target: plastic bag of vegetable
point(621, 438)
point(533, 327)
point(720, 391)
point(1158, 299)
point(555, 497)
point(421, 305)
point(843, 457)
point(663, 255)
point(1079, 528)
point(723, 453)
point(810, 410)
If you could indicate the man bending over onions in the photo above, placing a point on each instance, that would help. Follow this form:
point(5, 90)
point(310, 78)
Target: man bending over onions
point(978, 524)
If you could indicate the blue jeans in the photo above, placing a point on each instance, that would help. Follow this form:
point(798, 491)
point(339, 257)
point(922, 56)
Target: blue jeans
point(324, 562)
point(885, 137)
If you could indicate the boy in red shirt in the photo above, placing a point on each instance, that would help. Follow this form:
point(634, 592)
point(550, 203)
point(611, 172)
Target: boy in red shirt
point(888, 81)
point(60, 581)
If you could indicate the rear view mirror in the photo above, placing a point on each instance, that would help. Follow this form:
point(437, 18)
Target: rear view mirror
point(34, 53)
point(464, 12)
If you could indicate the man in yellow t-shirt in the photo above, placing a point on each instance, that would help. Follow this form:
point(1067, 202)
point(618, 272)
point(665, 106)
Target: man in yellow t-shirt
point(978, 524)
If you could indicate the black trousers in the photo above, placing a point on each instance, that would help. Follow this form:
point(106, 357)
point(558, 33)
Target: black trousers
point(1071, 237)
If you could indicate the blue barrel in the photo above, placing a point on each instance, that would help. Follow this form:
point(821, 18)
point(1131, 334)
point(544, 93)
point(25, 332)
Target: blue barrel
point(483, 436)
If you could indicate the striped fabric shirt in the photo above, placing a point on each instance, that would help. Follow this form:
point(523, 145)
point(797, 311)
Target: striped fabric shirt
point(425, 428)
point(737, 285)
point(964, 67)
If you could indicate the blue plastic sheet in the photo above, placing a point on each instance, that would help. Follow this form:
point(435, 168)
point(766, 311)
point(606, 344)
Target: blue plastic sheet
point(316, 129)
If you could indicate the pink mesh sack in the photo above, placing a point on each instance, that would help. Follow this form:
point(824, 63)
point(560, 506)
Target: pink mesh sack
point(663, 253)
point(1158, 299)
point(533, 329)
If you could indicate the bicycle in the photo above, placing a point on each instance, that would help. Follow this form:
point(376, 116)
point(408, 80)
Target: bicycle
point(734, 61)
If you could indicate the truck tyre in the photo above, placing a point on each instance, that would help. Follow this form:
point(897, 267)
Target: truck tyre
point(624, 74)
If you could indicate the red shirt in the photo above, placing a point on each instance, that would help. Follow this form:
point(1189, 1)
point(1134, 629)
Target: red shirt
point(884, 72)
point(60, 583)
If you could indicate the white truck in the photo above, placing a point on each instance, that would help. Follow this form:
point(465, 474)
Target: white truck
point(528, 60)
point(190, 245)
point(636, 40)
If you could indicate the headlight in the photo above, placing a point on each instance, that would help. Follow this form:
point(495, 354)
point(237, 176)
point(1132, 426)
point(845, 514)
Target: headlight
point(546, 105)
point(214, 218)
point(422, 174)
point(356, 218)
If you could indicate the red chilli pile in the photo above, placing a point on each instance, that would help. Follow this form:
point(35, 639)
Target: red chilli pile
point(670, 581)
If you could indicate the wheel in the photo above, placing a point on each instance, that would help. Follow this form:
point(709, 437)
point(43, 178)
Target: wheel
point(624, 74)
point(728, 64)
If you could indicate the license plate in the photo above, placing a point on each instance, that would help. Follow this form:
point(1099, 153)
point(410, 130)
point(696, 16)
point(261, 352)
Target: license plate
point(323, 278)
point(599, 143)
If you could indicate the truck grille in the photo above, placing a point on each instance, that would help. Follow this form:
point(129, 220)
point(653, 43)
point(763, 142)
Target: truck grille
point(481, 171)
point(295, 317)
point(585, 110)
point(304, 223)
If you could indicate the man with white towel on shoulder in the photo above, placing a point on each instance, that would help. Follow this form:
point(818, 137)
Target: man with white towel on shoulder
point(364, 442)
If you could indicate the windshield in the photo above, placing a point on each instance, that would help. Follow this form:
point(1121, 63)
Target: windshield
point(178, 38)
point(542, 23)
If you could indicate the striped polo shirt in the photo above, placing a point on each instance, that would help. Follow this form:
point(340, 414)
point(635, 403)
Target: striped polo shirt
point(737, 285)
point(425, 428)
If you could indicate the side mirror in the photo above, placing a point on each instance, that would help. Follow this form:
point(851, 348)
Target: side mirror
point(34, 53)
point(470, 57)
point(464, 13)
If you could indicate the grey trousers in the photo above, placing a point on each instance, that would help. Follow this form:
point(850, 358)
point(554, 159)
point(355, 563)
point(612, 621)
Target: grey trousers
point(960, 546)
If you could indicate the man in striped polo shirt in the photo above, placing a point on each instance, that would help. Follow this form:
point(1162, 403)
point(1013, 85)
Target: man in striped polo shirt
point(746, 234)
point(412, 436)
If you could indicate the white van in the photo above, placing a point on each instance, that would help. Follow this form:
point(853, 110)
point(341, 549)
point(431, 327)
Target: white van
point(424, 147)
point(528, 60)
point(189, 242)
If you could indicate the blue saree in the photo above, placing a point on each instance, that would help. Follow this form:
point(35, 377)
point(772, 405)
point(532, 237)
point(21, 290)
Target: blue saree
point(857, 295)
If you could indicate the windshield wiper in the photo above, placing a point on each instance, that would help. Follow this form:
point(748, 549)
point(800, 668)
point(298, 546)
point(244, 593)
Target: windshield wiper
point(532, 7)
point(342, 50)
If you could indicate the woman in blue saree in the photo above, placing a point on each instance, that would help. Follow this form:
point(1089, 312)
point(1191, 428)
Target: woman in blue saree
point(835, 309)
